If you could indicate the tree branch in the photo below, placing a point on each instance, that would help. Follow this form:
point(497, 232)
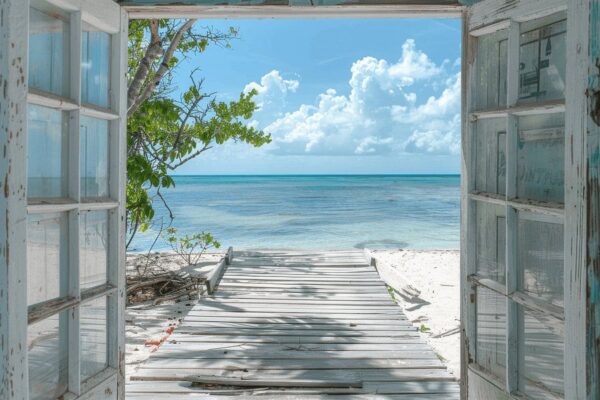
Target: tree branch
point(194, 155)
point(147, 91)
point(153, 53)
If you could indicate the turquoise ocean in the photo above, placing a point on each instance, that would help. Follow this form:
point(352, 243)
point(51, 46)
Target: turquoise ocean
point(315, 212)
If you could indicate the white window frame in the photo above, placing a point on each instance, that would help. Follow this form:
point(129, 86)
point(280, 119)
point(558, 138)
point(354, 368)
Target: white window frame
point(108, 17)
point(581, 359)
point(582, 172)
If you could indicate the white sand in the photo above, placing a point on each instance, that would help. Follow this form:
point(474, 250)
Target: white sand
point(436, 275)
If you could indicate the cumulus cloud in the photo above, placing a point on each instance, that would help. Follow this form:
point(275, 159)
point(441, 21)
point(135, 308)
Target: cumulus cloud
point(272, 91)
point(411, 105)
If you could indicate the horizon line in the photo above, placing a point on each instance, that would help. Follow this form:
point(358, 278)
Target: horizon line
point(213, 175)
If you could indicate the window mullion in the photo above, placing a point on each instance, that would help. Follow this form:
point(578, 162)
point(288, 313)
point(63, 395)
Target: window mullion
point(468, 212)
point(512, 278)
point(117, 176)
point(73, 344)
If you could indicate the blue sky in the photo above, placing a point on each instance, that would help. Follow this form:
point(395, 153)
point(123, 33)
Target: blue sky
point(338, 96)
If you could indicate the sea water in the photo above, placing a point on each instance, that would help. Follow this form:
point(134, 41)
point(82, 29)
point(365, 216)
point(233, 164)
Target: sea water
point(314, 212)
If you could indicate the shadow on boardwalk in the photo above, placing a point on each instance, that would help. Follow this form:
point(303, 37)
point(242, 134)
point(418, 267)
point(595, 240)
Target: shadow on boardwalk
point(301, 325)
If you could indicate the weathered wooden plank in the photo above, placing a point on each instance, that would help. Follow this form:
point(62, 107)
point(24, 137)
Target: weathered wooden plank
point(297, 291)
point(582, 199)
point(381, 387)
point(385, 325)
point(234, 293)
point(213, 278)
point(347, 299)
point(309, 319)
point(332, 347)
point(292, 288)
point(192, 329)
point(491, 11)
point(339, 280)
point(183, 352)
point(13, 183)
point(233, 300)
point(279, 396)
point(290, 364)
point(301, 314)
point(295, 340)
point(370, 374)
point(283, 307)
point(313, 320)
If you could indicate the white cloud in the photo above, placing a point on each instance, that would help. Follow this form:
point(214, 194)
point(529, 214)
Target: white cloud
point(381, 113)
point(272, 91)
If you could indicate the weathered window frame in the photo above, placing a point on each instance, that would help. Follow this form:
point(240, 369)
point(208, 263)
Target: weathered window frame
point(107, 16)
point(582, 167)
point(576, 317)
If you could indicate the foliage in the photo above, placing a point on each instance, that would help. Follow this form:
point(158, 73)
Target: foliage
point(392, 293)
point(190, 248)
point(164, 132)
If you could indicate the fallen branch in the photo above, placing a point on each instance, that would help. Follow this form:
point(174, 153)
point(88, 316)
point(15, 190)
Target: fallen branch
point(158, 287)
point(296, 383)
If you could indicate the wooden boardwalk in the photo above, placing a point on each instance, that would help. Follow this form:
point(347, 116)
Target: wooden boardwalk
point(296, 325)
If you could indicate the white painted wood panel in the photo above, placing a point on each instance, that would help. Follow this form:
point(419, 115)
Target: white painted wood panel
point(14, 25)
point(283, 12)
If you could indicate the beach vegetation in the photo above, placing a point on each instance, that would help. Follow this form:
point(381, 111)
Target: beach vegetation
point(190, 247)
point(167, 127)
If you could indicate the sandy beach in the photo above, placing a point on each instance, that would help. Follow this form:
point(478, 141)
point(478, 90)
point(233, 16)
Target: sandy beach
point(426, 286)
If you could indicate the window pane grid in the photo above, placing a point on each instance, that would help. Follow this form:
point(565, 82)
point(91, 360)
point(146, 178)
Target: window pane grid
point(516, 164)
point(69, 198)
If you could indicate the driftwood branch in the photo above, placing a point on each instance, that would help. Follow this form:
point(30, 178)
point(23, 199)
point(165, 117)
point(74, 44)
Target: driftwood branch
point(157, 287)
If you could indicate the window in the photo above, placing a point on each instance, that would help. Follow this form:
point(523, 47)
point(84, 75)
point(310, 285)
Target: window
point(48, 364)
point(48, 49)
point(94, 338)
point(47, 258)
point(93, 248)
point(95, 67)
point(47, 153)
point(542, 60)
point(516, 206)
point(72, 210)
point(93, 142)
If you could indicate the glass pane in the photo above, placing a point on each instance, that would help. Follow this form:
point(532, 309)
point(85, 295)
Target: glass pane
point(48, 51)
point(94, 157)
point(543, 61)
point(94, 248)
point(95, 66)
point(47, 365)
point(544, 358)
point(491, 70)
point(541, 259)
point(490, 155)
point(491, 332)
point(46, 153)
point(491, 239)
point(46, 253)
point(93, 338)
point(541, 157)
